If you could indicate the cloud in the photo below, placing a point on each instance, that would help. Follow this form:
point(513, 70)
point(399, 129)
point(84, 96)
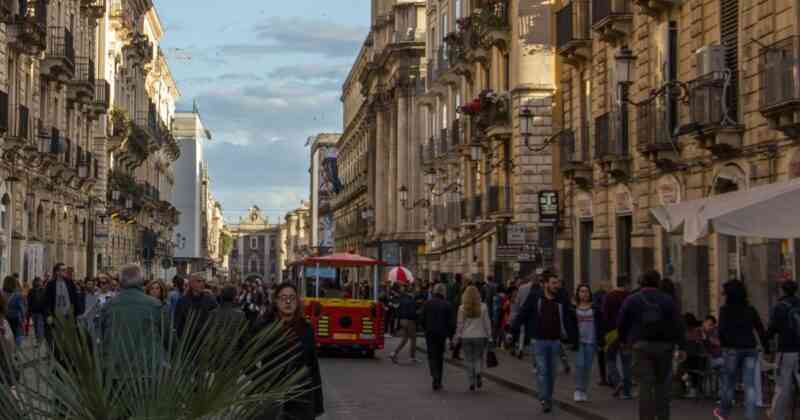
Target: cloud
point(248, 77)
point(311, 71)
point(298, 35)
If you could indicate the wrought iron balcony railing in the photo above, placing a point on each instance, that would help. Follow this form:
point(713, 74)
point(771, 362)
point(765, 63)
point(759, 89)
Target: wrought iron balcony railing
point(653, 126)
point(610, 136)
point(573, 24)
point(60, 45)
point(499, 199)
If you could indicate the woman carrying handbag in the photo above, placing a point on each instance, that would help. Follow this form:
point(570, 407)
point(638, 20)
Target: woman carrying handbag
point(473, 331)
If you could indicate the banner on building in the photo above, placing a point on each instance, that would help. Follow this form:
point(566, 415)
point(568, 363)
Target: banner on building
point(516, 234)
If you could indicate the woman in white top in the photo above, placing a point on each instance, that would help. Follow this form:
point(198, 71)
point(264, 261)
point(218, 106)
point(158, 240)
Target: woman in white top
point(474, 329)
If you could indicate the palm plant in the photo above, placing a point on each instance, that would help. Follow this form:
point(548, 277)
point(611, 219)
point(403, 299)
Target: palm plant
point(221, 372)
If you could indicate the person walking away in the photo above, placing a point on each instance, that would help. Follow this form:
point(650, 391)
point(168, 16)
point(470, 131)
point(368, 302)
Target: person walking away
point(194, 308)
point(175, 294)
point(784, 322)
point(437, 319)
point(407, 312)
point(17, 312)
point(521, 339)
point(739, 323)
point(473, 331)
point(131, 331)
point(36, 309)
point(547, 320)
point(454, 292)
point(8, 374)
point(650, 323)
point(287, 309)
point(589, 334)
point(618, 356)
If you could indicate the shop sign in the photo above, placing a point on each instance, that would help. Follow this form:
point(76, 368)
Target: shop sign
point(516, 233)
point(623, 202)
point(583, 206)
point(391, 253)
point(548, 206)
point(507, 253)
point(529, 252)
point(669, 190)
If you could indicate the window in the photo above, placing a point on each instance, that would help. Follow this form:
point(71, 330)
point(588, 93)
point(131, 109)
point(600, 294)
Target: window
point(586, 231)
point(254, 242)
point(457, 7)
point(624, 231)
point(254, 265)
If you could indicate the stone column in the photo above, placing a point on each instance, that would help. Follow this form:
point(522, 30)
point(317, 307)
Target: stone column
point(379, 197)
point(402, 161)
point(392, 181)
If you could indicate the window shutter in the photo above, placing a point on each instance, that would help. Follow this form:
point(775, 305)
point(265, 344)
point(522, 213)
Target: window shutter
point(729, 36)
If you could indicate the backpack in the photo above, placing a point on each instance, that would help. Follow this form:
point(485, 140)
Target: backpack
point(793, 316)
point(653, 320)
point(16, 309)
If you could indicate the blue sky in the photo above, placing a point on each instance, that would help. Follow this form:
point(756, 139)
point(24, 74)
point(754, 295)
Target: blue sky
point(266, 75)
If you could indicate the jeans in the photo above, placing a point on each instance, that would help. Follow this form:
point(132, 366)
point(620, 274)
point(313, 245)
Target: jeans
point(408, 328)
point(784, 391)
point(653, 361)
point(583, 365)
point(619, 363)
point(38, 326)
point(474, 349)
point(435, 346)
point(735, 360)
point(546, 353)
point(16, 328)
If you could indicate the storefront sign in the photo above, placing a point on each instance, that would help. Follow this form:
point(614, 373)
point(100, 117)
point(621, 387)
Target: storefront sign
point(507, 253)
point(583, 206)
point(623, 201)
point(669, 190)
point(391, 253)
point(548, 207)
point(515, 234)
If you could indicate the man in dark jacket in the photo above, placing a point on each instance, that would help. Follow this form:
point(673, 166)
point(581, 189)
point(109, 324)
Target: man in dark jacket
point(60, 300)
point(548, 320)
point(194, 308)
point(649, 321)
point(437, 319)
point(36, 308)
point(788, 359)
point(407, 313)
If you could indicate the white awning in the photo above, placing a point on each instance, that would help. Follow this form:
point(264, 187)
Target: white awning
point(768, 211)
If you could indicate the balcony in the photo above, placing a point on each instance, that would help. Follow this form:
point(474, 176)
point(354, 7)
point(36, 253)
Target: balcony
point(492, 21)
point(95, 9)
point(102, 96)
point(711, 116)
point(573, 32)
point(27, 31)
point(18, 136)
point(654, 132)
point(59, 59)
point(6, 10)
point(491, 114)
point(500, 201)
point(612, 20)
point(611, 144)
point(139, 49)
point(443, 147)
point(3, 112)
point(654, 8)
point(453, 215)
point(574, 160)
point(81, 87)
point(779, 73)
point(428, 152)
point(121, 17)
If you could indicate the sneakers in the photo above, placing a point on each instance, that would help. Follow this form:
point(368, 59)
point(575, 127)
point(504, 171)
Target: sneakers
point(547, 406)
point(415, 360)
point(580, 396)
point(718, 415)
point(393, 357)
point(479, 381)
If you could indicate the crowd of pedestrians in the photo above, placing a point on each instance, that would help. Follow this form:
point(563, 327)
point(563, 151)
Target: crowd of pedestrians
point(639, 337)
point(125, 315)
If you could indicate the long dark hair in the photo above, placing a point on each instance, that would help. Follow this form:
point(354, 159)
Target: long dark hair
point(578, 293)
point(298, 322)
point(735, 293)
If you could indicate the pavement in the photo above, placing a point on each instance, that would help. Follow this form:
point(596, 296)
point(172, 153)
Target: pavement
point(359, 388)
point(517, 375)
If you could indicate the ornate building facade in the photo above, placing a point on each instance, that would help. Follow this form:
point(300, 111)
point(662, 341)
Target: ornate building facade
point(256, 251)
point(61, 62)
point(661, 103)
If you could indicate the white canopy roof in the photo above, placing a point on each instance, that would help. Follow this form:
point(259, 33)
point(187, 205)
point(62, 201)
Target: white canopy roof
point(768, 211)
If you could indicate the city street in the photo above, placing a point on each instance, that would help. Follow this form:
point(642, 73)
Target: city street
point(357, 388)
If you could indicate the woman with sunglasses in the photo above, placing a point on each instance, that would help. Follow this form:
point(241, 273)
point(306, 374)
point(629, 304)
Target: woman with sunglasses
point(287, 308)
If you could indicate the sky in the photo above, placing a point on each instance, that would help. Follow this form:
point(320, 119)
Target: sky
point(266, 75)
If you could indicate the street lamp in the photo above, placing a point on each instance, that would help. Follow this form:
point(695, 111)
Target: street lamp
point(422, 202)
point(476, 152)
point(623, 62)
point(526, 121)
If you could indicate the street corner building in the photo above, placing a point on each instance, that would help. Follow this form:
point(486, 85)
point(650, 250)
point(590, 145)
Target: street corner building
point(86, 104)
point(255, 248)
point(659, 103)
point(447, 121)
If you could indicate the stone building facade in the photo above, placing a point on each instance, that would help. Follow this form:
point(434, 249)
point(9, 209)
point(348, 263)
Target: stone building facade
point(488, 63)
point(56, 88)
point(711, 109)
point(295, 245)
point(256, 251)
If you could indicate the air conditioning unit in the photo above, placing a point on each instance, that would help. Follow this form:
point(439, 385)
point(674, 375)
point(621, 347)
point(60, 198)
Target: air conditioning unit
point(710, 59)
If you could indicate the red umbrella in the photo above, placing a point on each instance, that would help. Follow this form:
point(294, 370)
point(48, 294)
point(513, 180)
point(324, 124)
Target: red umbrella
point(401, 275)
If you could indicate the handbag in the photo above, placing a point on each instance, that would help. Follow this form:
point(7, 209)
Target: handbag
point(491, 359)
